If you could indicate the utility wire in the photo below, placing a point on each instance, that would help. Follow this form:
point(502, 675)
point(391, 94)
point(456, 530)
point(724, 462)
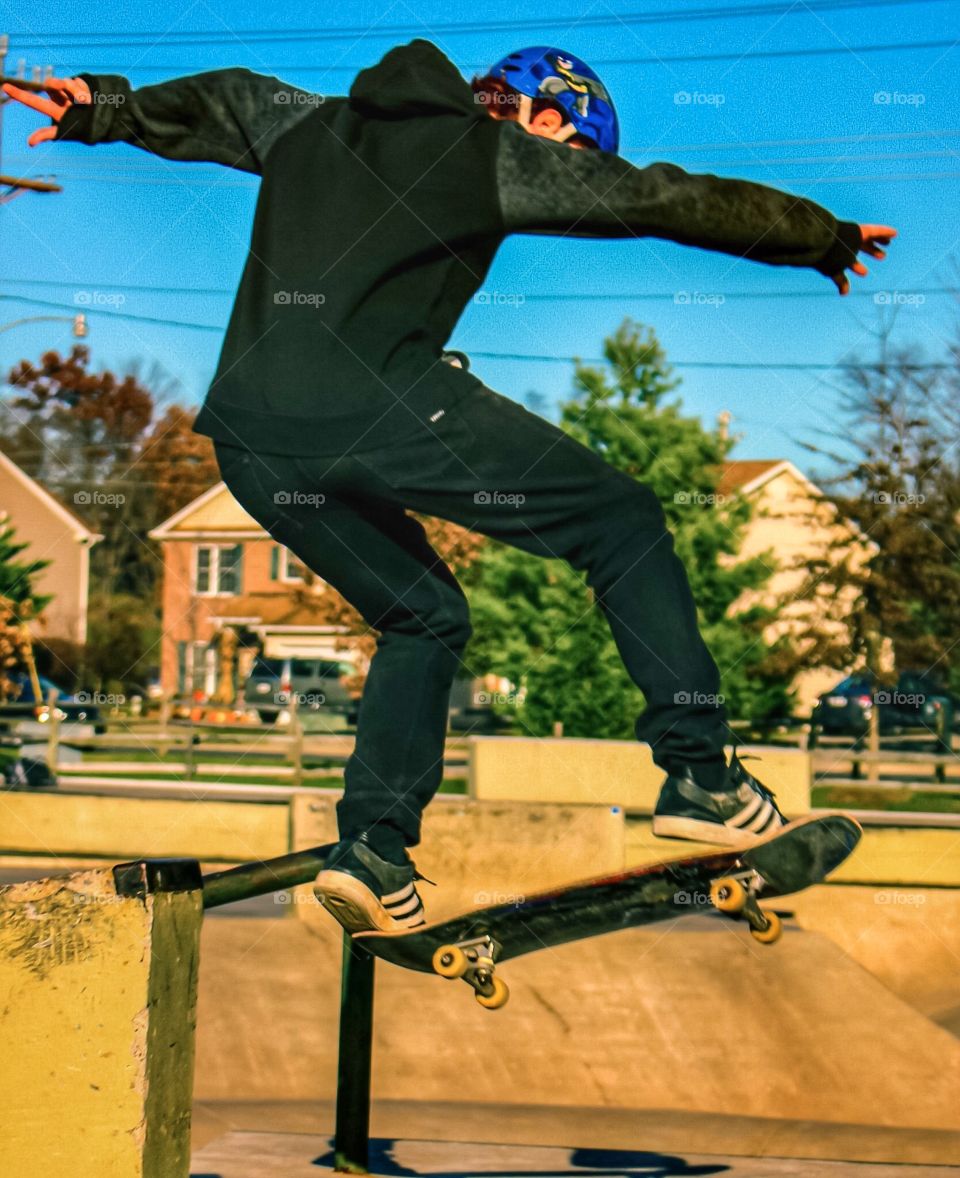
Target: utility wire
point(532, 357)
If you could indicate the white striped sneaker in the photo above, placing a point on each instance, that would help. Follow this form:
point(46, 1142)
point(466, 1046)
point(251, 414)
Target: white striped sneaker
point(736, 816)
point(365, 892)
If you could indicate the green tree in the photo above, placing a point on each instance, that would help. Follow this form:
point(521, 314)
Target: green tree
point(534, 620)
point(19, 602)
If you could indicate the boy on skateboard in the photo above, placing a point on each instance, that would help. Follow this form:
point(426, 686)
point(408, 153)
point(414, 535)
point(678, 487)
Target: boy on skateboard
point(333, 411)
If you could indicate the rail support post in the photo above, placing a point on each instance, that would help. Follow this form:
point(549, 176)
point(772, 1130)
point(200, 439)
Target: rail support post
point(352, 1134)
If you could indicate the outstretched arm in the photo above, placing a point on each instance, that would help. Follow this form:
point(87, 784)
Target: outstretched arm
point(547, 187)
point(228, 116)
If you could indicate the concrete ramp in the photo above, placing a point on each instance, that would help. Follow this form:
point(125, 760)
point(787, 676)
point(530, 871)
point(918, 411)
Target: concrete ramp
point(691, 1016)
point(277, 1155)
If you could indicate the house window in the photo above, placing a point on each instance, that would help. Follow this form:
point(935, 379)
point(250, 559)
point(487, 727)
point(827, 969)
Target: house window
point(196, 669)
point(219, 570)
point(284, 566)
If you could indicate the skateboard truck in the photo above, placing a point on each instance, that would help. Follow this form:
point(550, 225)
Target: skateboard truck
point(474, 961)
point(736, 895)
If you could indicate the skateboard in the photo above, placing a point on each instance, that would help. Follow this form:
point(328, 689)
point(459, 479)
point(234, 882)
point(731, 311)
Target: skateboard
point(729, 882)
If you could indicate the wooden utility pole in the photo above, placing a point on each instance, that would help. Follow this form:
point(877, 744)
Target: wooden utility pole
point(13, 186)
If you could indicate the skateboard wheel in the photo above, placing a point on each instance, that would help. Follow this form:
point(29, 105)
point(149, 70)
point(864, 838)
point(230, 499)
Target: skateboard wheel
point(766, 936)
point(450, 961)
point(728, 895)
point(498, 996)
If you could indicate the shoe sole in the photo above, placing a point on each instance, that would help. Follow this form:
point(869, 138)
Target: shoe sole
point(351, 903)
point(714, 833)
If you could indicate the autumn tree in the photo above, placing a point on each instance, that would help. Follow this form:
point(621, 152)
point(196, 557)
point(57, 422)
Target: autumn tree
point(895, 453)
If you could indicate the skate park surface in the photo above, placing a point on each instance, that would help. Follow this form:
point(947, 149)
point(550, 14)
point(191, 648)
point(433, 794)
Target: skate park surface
point(685, 1046)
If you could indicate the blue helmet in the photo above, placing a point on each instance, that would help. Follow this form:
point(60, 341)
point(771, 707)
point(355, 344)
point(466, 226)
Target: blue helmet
point(543, 72)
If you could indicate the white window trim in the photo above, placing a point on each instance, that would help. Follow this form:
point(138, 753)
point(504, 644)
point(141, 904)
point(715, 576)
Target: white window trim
point(285, 578)
point(215, 591)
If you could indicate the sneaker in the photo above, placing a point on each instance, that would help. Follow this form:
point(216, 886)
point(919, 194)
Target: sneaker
point(733, 817)
point(367, 893)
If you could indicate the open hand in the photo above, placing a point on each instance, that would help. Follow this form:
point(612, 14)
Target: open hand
point(874, 236)
point(62, 93)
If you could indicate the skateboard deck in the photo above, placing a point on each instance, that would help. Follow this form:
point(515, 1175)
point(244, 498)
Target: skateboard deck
point(730, 881)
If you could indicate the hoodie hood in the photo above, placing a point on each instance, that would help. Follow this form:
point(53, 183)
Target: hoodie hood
point(409, 82)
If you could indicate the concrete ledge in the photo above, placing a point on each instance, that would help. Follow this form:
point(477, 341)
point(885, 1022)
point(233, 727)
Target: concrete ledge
point(483, 853)
point(85, 826)
point(96, 1027)
point(608, 772)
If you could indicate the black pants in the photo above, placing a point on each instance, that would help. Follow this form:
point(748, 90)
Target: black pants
point(496, 468)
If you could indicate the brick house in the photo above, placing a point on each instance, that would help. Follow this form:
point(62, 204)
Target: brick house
point(227, 582)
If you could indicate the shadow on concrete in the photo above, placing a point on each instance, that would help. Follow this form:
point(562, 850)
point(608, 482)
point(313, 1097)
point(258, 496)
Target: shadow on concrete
point(588, 1163)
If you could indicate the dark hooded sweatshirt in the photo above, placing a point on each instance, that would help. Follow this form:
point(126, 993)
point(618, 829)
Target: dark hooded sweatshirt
point(377, 220)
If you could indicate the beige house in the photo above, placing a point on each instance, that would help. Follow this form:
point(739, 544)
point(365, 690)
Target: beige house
point(54, 534)
point(795, 522)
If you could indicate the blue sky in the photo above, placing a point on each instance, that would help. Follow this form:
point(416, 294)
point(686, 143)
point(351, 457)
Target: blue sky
point(872, 135)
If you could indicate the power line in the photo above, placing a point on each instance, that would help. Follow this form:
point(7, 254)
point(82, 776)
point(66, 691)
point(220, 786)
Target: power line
point(672, 148)
point(534, 358)
point(147, 166)
point(227, 182)
point(451, 28)
point(544, 297)
point(477, 67)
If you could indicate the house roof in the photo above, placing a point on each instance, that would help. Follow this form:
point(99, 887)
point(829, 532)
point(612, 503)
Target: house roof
point(41, 494)
point(746, 474)
point(216, 514)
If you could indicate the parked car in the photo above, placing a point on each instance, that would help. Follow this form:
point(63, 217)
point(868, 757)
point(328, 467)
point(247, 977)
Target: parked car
point(918, 702)
point(319, 684)
point(70, 708)
point(21, 771)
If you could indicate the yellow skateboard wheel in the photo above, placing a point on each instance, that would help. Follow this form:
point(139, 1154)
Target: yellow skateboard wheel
point(766, 936)
point(728, 895)
point(499, 996)
point(450, 961)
